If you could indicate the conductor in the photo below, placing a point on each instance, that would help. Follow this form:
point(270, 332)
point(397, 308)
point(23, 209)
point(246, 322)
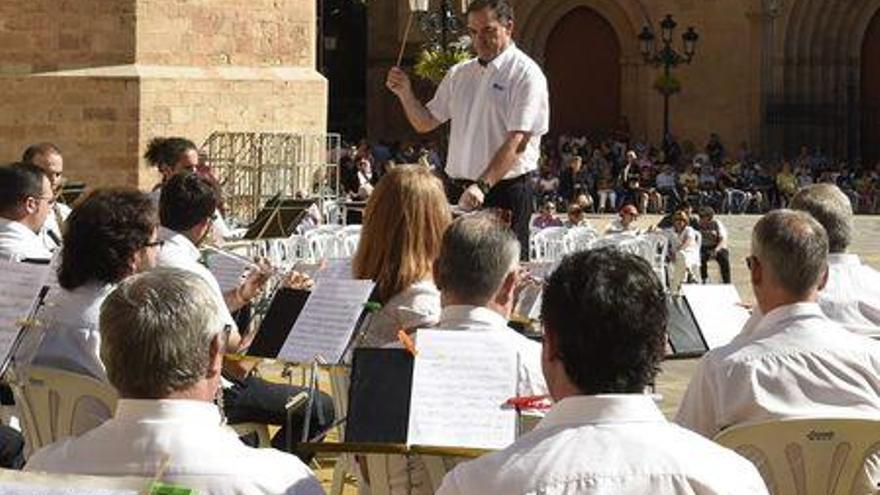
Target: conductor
point(499, 107)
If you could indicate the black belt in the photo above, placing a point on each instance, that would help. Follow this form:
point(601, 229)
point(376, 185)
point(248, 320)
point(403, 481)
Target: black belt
point(464, 183)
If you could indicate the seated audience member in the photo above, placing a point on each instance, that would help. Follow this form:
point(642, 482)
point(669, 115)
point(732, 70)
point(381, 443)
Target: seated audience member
point(477, 273)
point(186, 210)
point(790, 360)
point(109, 236)
point(713, 245)
point(684, 251)
point(25, 201)
point(604, 317)
point(852, 295)
point(546, 217)
point(688, 210)
point(665, 183)
point(606, 188)
point(48, 157)
point(163, 339)
point(576, 217)
point(585, 201)
point(403, 227)
point(625, 222)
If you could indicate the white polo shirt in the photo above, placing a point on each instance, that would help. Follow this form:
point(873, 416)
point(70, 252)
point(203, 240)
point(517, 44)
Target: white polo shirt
point(56, 218)
point(852, 295)
point(180, 252)
point(791, 362)
point(606, 444)
point(202, 454)
point(485, 104)
point(18, 242)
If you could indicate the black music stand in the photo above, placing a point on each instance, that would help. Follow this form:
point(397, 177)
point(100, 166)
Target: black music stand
point(278, 218)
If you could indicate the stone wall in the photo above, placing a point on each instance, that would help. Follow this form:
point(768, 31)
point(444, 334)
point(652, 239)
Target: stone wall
point(102, 81)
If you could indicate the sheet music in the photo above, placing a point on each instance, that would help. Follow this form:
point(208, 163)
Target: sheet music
point(338, 268)
point(327, 320)
point(227, 268)
point(460, 382)
point(717, 310)
point(19, 287)
point(10, 488)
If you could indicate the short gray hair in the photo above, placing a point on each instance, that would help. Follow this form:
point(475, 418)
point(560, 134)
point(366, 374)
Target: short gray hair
point(830, 206)
point(156, 332)
point(794, 248)
point(477, 252)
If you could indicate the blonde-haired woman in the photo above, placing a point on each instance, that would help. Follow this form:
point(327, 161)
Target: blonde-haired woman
point(404, 223)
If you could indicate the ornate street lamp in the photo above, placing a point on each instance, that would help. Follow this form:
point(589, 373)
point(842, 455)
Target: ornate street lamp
point(667, 57)
point(441, 25)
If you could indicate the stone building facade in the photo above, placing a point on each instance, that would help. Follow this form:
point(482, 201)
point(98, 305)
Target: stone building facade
point(101, 78)
point(772, 73)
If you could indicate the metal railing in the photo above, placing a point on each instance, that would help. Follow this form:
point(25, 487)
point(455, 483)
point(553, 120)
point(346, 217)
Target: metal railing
point(252, 167)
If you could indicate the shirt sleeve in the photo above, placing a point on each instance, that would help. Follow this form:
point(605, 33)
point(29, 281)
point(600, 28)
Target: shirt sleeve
point(441, 105)
point(530, 108)
point(697, 409)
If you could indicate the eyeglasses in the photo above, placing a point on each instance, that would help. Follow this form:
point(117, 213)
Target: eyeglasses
point(49, 199)
point(158, 244)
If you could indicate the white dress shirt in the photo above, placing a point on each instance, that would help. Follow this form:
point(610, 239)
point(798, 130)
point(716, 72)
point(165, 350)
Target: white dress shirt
point(607, 444)
point(480, 319)
point(51, 230)
point(417, 306)
point(792, 362)
point(202, 454)
point(180, 252)
point(18, 242)
point(691, 253)
point(485, 104)
point(852, 295)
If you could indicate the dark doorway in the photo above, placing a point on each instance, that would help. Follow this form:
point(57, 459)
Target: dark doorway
point(871, 93)
point(582, 62)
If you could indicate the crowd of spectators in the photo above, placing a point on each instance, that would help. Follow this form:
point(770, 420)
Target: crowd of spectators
point(616, 171)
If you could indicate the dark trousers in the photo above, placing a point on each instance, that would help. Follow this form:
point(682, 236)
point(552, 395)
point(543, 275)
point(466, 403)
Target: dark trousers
point(723, 259)
point(514, 195)
point(256, 400)
point(11, 448)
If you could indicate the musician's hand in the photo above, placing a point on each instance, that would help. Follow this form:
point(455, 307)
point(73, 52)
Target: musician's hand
point(298, 281)
point(398, 82)
point(255, 280)
point(472, 198)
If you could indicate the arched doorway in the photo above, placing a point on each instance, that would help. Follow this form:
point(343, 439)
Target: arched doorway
point(582, 62)
point(871, 92)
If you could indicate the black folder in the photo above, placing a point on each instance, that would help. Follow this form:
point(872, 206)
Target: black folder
point(379, 396)
point(277, 323)
point(684, 334)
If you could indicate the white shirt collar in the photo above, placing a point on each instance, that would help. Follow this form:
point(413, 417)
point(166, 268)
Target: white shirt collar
point(471, 317)
point(17, 227)
point(133, 410)
point(499, 60)
point(598, 409)
point(844, 259)
point(772, 321)
point(180, 242)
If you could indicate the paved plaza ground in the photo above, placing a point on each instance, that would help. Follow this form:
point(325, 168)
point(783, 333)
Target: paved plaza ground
point(675, 375)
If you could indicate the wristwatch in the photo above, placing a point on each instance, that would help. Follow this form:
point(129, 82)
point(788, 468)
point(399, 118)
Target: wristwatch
point(484, 186)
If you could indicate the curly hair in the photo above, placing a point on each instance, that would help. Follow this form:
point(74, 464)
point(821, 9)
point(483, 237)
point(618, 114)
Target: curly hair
point(607, 313)
point(102, 234)
point(167, 150)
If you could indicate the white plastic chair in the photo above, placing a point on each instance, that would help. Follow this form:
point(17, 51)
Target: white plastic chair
point(580, 239)
point(349, 237)
point(324, 242)
point(811, 456)
point(56, 404)
point(549, 244)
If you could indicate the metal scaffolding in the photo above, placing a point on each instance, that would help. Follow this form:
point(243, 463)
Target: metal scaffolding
point(252, 167)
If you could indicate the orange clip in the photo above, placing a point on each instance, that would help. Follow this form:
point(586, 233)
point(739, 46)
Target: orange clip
point(407, 342)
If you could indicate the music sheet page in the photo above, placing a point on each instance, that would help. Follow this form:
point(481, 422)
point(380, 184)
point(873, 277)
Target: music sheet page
point(19, 287)
point(717, 310)
point(461, 380)
point(227, 268)
point(327, 320)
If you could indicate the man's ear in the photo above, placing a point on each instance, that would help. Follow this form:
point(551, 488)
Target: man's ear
point(215, 356)
point(823, 280)
point(507, 292)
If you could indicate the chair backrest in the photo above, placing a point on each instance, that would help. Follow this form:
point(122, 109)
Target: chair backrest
point(811, 456)
point(580, 239)
point(325, 243)
point(70, 483)
point(56, 404)
point(549, 244)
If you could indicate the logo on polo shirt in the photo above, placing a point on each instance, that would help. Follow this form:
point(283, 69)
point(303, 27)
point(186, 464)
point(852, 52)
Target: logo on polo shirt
point(498, 87)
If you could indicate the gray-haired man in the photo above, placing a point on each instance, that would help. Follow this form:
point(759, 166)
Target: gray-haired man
point(852, 295)
point(162, 342)
point(792, 361)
